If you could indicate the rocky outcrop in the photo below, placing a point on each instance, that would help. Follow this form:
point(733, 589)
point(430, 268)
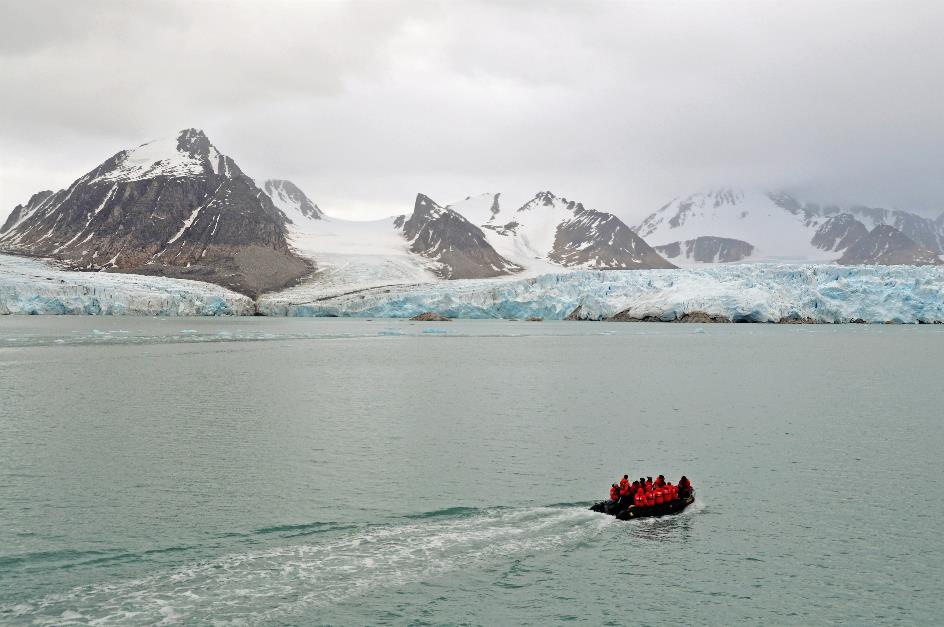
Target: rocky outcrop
point(292, 201)
point(458, 247)
point(430, 316)
point(595, 239)
point(839, 232)
point(708, 249)
point(627, 315)
point(886, 245)
point(175, 208)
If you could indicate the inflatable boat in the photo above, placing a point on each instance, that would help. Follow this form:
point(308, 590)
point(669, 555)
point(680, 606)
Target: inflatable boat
point(632, 512)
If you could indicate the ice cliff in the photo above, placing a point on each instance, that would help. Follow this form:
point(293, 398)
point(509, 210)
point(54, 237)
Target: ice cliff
point(30, 286)
point(742, 293)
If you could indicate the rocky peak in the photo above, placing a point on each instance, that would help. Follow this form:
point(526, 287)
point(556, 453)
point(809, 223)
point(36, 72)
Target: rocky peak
point(886, 245)
point(292, 201)
point(839, 232)
point(541, 199)
point(458, 247)
point(173, 207)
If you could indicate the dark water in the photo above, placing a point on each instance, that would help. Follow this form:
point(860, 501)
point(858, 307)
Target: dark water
point(328, 471)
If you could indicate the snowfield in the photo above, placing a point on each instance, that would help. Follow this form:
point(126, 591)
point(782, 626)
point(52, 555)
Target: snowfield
point(747, 293)
point(31, 286)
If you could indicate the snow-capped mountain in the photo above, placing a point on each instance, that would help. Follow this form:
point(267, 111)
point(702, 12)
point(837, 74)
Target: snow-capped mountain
point(458, 247)
point(466, 240)
point(549, 232)
point(292, 201)
point(755, 226)
point(888, 246)
point(173, 207)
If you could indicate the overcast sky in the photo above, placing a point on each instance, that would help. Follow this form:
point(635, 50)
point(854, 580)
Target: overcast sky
point(623, 105)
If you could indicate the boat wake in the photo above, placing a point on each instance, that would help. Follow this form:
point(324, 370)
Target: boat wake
point(271, 584)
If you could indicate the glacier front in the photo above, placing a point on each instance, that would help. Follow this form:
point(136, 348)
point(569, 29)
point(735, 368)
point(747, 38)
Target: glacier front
point(741, 293)
point(31, 286)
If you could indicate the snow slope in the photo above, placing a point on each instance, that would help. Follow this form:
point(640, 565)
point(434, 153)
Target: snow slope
point(776, 233)
point(742, 292)
point(778, 226)
point(352, 255)
point(169, 156)
point(31, 286)
point(548, 233)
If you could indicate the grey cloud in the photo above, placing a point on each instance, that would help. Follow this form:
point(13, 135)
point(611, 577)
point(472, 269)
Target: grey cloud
point(621, 104)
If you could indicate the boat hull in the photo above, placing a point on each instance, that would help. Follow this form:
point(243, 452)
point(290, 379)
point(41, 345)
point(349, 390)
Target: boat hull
point(634, 512)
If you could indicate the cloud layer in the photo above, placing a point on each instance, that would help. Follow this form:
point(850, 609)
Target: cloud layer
point(621, 104)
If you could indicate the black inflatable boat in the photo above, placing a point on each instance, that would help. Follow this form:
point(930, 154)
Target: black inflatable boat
point(632, 512)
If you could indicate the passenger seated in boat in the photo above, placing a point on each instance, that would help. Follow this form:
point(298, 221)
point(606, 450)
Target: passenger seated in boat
point(624, 485)
point(640, 498)
point(684, 488)
point(614, 493)
point(660, 481)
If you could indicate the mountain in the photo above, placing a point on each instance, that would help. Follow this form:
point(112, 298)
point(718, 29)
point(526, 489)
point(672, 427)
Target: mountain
point(292, 201)
point(549, 232)
point(174, 207)
point(887, 245)
point(458, 247)
point(707, 249)
point(839, 232)
point(778, 227)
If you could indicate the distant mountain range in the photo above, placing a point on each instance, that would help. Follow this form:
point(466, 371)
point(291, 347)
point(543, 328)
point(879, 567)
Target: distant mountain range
point(730, 225)
point(181, 208)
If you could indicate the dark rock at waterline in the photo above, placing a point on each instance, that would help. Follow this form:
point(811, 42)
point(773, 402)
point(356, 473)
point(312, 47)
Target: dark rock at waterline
point(692, 316)
point(430, 316)
point(534, 319)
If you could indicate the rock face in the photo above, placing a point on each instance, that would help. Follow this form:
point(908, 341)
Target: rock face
point(549, 230)
point(292, 201)
point(839, 233)
point(887, 245)
point(708, 249)
point(429, 316)
point(594, 239)
point(693, 316)
point(175, 207)
point(455, 244)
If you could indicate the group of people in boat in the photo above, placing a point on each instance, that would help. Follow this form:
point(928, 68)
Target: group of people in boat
point(645, 492)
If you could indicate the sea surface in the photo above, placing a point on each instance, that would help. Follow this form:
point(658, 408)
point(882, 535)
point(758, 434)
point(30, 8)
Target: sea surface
point(329, 471)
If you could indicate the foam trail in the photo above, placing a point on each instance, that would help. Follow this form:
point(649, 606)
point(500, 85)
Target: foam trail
point(272, 583)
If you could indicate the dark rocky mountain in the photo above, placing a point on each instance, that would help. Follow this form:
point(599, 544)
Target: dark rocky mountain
point(839, 232)
point(887, 245)
point(708, 249)
point(458, 247)
point(292, 201)
point(595, 239)
point(175, 207)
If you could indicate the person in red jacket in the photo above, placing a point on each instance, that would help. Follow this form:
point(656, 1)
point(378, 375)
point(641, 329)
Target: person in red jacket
point(614, 493)
point(650, 497)
point(624, 485)
point(684, 488)
point(660, 481)
point(659, 496)
point(640, 498)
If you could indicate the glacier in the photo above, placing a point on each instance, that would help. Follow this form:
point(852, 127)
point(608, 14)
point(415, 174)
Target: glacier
point(824, 293)
point(32, 286)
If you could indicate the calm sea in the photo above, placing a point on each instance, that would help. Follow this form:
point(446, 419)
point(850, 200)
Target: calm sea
point(293, 471)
